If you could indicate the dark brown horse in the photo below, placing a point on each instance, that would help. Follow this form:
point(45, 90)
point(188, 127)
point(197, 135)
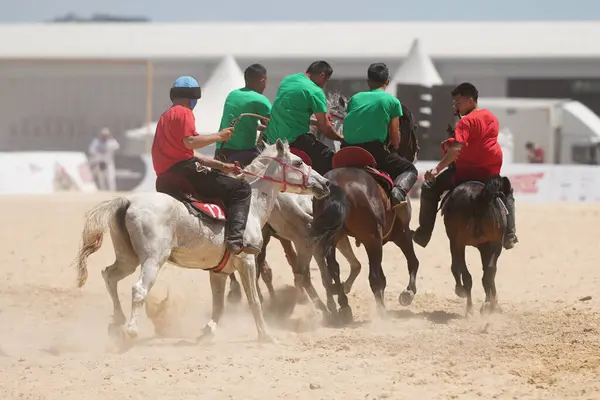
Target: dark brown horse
point(475, 215)
point(359, 206)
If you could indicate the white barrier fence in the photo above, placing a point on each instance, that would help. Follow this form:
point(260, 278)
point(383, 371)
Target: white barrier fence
point(44, 172)
point(48, 172)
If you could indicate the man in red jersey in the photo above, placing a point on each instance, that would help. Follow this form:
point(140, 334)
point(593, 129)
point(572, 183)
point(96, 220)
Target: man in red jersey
point(475, 154)
point(173, 151)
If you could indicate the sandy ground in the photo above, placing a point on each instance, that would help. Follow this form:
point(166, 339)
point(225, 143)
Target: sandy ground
point(54, 342)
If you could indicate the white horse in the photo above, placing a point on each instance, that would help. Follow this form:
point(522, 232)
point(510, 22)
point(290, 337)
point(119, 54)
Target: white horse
point(150, 229)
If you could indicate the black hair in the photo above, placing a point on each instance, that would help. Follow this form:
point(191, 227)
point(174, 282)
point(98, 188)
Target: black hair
point(378, 73)
point(320, 67)
point(466, 89)
point(254, 72)
point(529, 144)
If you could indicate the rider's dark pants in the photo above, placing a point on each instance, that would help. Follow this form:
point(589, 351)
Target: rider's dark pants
point(320, 155)
point(431, 193)
point(234, 193)
point(403, 172)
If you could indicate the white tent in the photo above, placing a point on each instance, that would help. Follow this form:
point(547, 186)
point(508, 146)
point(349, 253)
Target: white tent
point(417, 69)
point(227, 77)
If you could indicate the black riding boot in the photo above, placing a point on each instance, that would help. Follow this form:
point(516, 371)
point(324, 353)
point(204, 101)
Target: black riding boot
point(427, 214)
point(510, 237)
point(236, 223)
point(403, 183)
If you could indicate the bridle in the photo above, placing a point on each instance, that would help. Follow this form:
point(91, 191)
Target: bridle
point(239, 170)
point(283, 181)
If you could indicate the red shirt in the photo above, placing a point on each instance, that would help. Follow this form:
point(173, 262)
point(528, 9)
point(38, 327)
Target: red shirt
point(481, 155)
point(175, 124)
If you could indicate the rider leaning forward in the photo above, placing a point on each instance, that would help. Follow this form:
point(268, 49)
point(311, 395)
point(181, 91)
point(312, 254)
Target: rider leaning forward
point(298, 98)
point(373, 117)
point(173, 151)
point(476, 155)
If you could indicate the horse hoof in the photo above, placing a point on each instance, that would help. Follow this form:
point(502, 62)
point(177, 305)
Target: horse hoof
point(329, 319)
point(347, 287)
point(130, 333)
point(303, 299)
point(406, 298)
point(486, 309)
point(345, 315)
point(234, 297)
point(460, 291)
point(469, 312)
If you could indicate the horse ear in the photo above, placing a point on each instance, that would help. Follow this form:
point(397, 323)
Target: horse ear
point(342, 102)
point(280, 148)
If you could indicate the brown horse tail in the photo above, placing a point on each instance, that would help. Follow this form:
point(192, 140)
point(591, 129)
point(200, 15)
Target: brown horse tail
point(96, 221)
point(330, 221)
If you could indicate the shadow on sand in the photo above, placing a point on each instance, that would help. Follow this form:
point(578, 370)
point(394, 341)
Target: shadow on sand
point(437, 317)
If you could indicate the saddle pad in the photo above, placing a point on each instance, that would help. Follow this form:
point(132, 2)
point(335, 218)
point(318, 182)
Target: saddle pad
point(213, 211)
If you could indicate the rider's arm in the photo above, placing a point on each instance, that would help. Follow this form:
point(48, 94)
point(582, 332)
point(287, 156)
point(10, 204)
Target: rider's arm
point(325, 126)
point(199, 141)
point(394, 132)
point(395, 112)
point(460, 140)
point(191, 139)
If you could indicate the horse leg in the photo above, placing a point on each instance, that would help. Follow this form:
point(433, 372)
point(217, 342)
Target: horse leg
point(376, 276)
point(302, 274)
point(149, 271)
point(292, 258)
point(346, 249)
point(464, 281)
point(112, 275)
point(326, 280)
point(217, 287)
point(247, 268)
point(345, 312)
point(489, 258)
point(261, 266)
point(404, 241)
point(235, 291)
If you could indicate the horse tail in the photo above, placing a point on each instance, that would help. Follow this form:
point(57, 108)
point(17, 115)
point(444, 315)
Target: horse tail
point(331, 219)
point(105, 214)
point(490, 199)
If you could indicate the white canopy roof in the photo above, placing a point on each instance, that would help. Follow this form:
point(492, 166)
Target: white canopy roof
point(417, 69)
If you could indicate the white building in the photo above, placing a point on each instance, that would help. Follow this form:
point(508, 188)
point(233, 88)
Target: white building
point(61, 82)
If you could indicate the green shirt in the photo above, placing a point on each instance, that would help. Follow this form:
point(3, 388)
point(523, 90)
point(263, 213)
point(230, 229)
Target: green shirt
point(297, 99)
point(369, 115)
point(238, 102)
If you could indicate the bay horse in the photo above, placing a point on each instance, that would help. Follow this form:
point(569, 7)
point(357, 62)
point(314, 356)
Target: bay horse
point(153, 228)
point(359, 205)
point(475, 215)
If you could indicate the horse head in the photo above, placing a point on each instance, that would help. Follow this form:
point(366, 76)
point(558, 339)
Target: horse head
point(277, 164)
point(409, 144)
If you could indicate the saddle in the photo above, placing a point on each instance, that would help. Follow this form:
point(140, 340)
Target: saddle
point(357, 157)
point(178, 187)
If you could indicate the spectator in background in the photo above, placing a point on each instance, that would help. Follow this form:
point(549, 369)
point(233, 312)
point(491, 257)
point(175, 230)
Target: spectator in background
point(102, 160)
point(535, 154)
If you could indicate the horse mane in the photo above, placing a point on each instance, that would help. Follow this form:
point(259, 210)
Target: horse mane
point(474, 200)
point(260, 163)
point(336, 104)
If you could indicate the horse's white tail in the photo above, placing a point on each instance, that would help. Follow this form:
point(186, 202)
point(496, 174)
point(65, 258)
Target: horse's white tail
point(96, 221)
